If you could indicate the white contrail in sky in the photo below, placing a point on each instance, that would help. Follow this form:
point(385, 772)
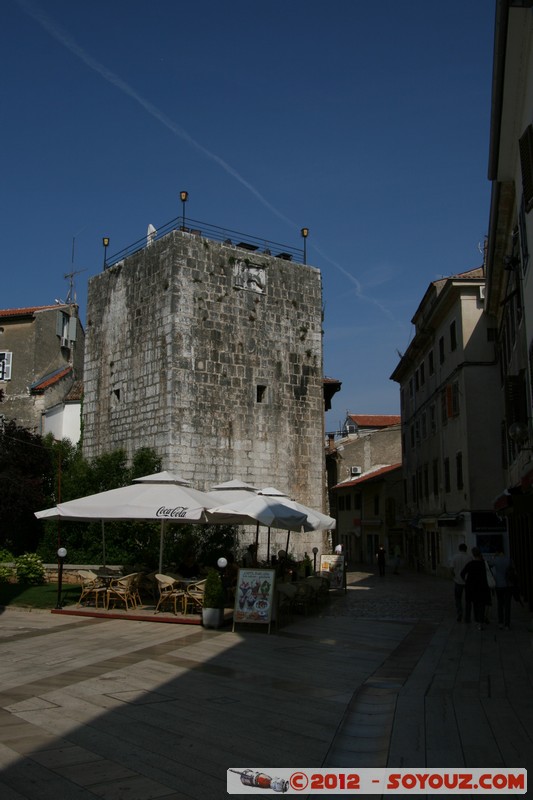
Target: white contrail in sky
point(67, 41)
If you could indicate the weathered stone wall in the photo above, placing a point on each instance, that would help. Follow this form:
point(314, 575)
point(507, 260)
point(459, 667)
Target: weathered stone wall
point(212, 356)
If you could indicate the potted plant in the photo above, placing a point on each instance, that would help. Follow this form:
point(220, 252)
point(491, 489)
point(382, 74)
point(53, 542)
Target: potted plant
point(213, 608)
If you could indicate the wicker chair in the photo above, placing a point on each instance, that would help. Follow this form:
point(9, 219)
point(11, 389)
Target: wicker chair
point(92, 589)
point(169, 593)
point(194, 597)
point(123, 590)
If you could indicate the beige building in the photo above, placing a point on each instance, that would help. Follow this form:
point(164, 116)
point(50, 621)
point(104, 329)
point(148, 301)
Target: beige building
point(369, 513)
point(365, 487)
point(41, 358)
point(449, 390)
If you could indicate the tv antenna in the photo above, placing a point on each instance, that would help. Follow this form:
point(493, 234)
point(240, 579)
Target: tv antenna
point(71, 295)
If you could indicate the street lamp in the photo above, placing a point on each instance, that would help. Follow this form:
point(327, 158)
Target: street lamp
point(61, 555)
point(315, 551)
point(305, 234)
point(105, 242)
point(184, 196)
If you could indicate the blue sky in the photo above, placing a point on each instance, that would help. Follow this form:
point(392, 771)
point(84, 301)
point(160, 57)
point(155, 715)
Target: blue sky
point(366, 122)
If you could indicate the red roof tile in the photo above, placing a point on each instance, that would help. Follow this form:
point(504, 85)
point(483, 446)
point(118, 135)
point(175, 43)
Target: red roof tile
point(26, 312)
point(368, 476)
point(375, 420)
point(49, 380)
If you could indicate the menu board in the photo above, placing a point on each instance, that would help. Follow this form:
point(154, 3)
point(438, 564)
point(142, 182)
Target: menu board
point(332, 568)
point(254, 596)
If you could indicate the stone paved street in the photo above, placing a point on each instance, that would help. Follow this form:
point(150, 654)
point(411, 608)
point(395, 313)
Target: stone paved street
point(382, 675)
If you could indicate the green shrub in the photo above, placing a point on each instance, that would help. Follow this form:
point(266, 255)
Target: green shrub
point(29, 569)
point(6, 573)
point(213, 590)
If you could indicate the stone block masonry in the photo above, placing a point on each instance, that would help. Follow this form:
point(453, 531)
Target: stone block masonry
point(212, 356)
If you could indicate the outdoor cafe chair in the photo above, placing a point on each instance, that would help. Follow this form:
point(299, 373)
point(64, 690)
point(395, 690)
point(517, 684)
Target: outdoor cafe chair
point(286, 596)
point(169, 592)
point(92, 589)
point(194, 596)
point(123, 590)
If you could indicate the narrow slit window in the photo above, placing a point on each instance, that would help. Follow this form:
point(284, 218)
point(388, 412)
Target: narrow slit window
point(261, 393)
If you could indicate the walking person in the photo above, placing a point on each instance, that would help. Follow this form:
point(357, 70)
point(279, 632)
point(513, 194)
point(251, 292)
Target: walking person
point(504, 572)
point(380, 558)
point(477, 589)
point(459, 562)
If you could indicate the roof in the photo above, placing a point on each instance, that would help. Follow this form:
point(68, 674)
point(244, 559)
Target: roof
point(376, 472)
point(29, 311)
point(375, 420)
point(50, 379)
point(75, 394)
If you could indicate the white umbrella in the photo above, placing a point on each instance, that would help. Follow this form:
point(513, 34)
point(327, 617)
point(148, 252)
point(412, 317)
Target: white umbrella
point(273, 512)
point(163, 496)
point(316, 520)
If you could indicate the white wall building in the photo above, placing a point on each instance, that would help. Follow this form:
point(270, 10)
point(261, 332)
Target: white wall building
point(449, 400)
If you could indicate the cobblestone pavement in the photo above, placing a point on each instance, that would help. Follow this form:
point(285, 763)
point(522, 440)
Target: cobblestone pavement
point(404, 596)
point(381, 676)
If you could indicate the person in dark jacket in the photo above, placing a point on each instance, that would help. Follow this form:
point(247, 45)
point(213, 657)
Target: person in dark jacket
point(477, 589)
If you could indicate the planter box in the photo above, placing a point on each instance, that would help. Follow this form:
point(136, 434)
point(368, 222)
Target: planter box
point(212, 617)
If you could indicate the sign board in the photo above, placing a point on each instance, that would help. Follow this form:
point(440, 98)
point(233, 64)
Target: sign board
point(332, 568)
point(254, 596)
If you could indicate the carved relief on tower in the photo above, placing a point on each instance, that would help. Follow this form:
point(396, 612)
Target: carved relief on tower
point(249, 276)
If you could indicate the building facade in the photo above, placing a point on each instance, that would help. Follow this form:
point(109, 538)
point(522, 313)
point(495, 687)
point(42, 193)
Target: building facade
point(212, 356)
point(41, 358)
point(365, 487)
point(451, 449)
point(509, 292)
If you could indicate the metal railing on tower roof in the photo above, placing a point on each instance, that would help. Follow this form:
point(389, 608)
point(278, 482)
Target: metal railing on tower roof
point(227, 236)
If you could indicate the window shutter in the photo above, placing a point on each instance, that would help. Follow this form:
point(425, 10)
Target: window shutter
point(59, 323)
point(72, 329)
point(5, 366)
point(526, 163)
point(515, 399)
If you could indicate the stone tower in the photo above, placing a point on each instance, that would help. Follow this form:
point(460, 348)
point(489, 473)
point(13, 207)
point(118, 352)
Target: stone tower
point(212, 356)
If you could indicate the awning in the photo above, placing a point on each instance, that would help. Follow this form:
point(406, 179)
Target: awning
point(449, 520)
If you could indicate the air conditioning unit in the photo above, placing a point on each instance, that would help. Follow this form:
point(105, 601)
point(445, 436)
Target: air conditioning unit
point(354, 471)
point(64, 341)
point(481, 292)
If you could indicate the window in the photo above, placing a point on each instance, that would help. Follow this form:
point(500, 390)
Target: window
point(435, 477)
point(433, 419)
point(451, 401)
point(447, 484)
point(441, 350)
point(453, 336)
point(459, 470)
point(424, 426)
point(5, 366)
point(376, 505)
point(341, 502)
point(431, 363)
point(422, 374)
point(426, 480)
point(348, 501)
point(357, 501)
point(261, 393)
point(526, 162)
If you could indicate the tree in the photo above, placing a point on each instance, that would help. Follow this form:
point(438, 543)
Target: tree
point(26, 470)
